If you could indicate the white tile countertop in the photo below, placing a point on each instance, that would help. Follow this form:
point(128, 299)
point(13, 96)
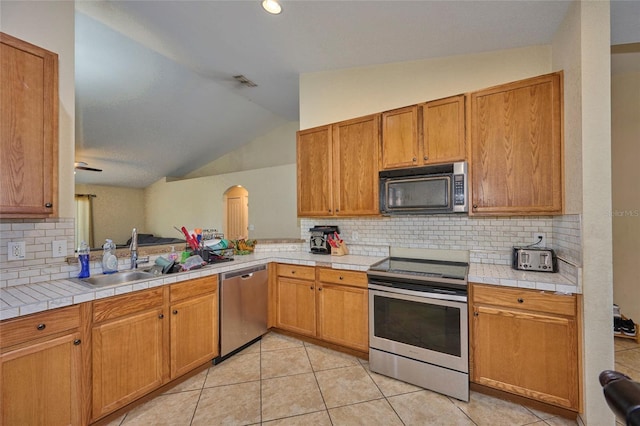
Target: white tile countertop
point(505, 275)
point(26, 299)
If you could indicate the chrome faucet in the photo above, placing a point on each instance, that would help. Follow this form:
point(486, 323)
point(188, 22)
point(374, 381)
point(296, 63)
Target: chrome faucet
point(133, 248)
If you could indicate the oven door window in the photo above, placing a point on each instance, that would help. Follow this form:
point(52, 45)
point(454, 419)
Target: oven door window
point(420, 324)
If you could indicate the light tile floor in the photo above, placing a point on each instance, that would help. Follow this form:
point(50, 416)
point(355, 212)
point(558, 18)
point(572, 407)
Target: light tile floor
point(284, 381)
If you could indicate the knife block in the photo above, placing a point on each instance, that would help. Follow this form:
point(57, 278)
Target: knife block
point(339, 251)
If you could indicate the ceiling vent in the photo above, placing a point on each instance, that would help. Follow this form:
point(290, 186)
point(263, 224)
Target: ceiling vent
point(244, 80)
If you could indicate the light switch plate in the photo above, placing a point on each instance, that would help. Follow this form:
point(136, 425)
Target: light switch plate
point(59, 248)
point(17, 250)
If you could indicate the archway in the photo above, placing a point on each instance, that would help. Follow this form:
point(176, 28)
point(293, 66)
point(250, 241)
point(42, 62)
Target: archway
point(236, 213)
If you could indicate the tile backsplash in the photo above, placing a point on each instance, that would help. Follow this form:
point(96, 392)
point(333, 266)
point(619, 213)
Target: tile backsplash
point(489, 240)
point(39, 264)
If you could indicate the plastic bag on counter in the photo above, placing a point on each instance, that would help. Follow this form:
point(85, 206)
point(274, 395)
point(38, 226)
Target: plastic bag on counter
point(193, 262)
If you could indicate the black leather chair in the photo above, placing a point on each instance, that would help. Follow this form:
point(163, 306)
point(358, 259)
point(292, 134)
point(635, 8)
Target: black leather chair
point(623, 396)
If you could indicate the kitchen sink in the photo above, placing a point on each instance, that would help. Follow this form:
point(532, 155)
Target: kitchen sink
point(117, 278)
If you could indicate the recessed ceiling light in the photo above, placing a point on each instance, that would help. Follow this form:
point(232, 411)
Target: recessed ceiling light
point(272, 6)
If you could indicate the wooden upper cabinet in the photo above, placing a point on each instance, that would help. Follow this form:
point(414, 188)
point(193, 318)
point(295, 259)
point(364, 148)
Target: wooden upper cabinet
point(313, 153)
point(400, 138)
point(355, 173)
point(516, 148)
point(429, 133)
point(443, 130)
point(337, 168)
point(29, 131)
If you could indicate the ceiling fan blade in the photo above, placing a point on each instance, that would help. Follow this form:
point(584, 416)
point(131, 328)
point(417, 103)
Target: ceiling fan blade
point(91, 169)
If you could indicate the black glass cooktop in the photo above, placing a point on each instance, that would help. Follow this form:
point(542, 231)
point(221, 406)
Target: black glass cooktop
point(422, 268)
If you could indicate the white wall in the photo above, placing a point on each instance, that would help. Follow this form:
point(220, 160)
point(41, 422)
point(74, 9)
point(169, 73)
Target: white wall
point(116, 211)
point(276, 148)
point(198, 202)
point(625, 157)
point(50, 24)
point(581, 47)
point(330, 96)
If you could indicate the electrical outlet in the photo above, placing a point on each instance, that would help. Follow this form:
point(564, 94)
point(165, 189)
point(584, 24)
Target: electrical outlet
point(17, 251)
point(540, 239)
point(252, 227)
point(59, 248)
point(354, 236)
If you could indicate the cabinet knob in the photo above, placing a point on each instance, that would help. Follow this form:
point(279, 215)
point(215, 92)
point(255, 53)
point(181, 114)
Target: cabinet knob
point(293, 272)
point(319, 288)
point(311, 287)
point(337, 210)
point(41, 326)
point(341, 278)
point(77, 342)
point(161, 316)
point(425, 158)
point(48, 205)
point(415, 159)
point(520, 300)
point(475, 314)
point(475, 206)
point(329, 210)
point(175, 312)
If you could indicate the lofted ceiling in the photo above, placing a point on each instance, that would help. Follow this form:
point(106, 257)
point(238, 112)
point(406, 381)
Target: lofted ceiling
point(155, 93)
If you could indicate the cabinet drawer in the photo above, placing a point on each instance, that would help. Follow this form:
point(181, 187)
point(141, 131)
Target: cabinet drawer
point(126, 304)
point(337, 276)
point(532, 300)
point(21, 330)
point(197, 287)
point(297, 271)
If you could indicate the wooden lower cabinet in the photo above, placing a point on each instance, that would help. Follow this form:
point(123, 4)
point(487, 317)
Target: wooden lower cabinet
point(40, 383)
point(127, 358)
point(329, 304)
point(194, 324)
point(296, 305)
point(526, 342)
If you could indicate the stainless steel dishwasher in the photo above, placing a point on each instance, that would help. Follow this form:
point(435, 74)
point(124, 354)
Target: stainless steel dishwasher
point(243, 309)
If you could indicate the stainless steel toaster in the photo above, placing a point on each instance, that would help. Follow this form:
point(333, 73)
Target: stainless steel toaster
point(537, 259)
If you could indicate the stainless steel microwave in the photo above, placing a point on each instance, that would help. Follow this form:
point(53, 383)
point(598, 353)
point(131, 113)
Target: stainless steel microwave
point(437, 189)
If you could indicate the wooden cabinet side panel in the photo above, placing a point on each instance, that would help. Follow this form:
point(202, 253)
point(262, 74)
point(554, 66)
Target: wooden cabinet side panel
point(314, 171)
point(343, 316)
point(194, 333)
point(528, 354)
point(444, 130)
point(355, 172)
point(400, 138)
point(296, 306)
point(40, 384)
point(127, 360)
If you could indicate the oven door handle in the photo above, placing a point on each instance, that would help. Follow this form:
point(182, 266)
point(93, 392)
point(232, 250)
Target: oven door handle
point(390, 289)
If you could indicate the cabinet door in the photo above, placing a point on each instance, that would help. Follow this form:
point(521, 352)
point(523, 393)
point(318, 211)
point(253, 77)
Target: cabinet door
point(356, 162)
point(29, 131)
point(533, 355)
point(516, 147)
point(40, 384)
point(127, 360)
point(443, 130)
point(194, 333)
point(314, 171)
point(343, 316)
point(296, 306)
point(400, 138)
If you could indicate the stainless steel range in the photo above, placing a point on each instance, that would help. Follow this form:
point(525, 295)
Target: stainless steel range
point(418, 329)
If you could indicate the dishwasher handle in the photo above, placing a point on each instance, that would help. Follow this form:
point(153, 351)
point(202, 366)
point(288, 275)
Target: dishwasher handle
point(246, 276)
point(244, 273)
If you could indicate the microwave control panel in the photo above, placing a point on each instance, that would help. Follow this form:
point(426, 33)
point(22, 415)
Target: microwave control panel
point(458, 190)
